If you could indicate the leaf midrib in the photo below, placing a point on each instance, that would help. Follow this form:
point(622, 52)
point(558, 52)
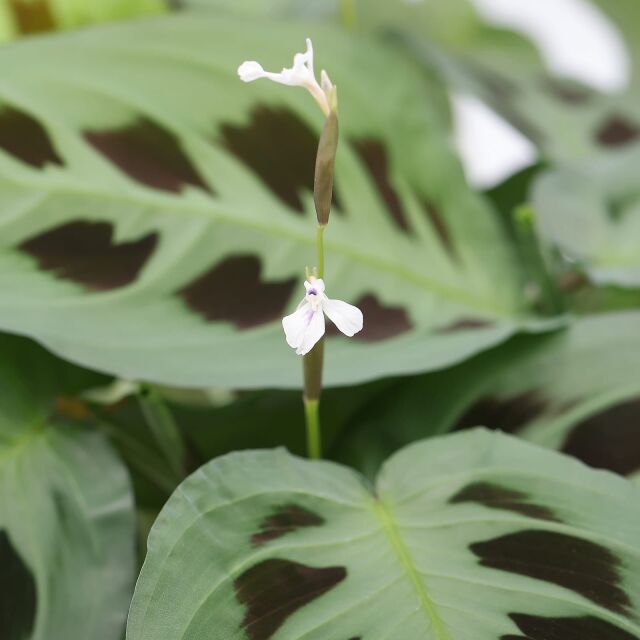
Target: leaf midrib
point(139, 198)
point(385, 516)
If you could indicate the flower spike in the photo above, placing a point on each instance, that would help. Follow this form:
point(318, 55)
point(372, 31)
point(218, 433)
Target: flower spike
point(305, 326)
point(301, 74)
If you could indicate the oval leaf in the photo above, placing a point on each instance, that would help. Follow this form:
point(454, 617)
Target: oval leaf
point(157, 213)
point(476, 535)
point(67, 525)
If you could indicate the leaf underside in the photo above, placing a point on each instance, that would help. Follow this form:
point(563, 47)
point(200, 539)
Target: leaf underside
point(473, 536)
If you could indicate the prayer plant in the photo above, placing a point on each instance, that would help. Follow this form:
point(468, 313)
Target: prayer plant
point(465, 460)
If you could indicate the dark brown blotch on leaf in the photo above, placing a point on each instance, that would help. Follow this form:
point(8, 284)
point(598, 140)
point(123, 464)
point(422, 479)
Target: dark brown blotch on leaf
point(584, 567)
point(609, 439)
point(18, 596)
point(84, 252)
point(439, 226)
point(32, 16)
point(497, 497)
point(569, 628)
point(280, 148)
point(283, 520)
point(374, 157)
point(25, 138)
point(232, 291)
point(567, 91)
point(148, 154)
point(464, 324)
point(275, 589)
point(617, 131)
point(381, 322)
point(504, 414)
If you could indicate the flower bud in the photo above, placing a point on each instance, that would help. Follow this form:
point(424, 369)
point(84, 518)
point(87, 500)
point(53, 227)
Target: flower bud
point(325, 161)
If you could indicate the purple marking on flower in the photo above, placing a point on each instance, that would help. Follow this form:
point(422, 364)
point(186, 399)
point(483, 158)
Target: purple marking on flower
point(306, 325)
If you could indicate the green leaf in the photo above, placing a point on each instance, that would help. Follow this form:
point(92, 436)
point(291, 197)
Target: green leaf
point(27, 17)
point(66, 510)
point(565, 119)
point(165, 230)
point(576, 391)
point(473, 536)
point(591, 210)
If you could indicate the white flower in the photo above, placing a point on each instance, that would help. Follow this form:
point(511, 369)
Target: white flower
point(305, 326)
point(300, 75)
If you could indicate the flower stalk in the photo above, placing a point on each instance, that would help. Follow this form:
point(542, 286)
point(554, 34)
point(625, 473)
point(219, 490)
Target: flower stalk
point(304, 329)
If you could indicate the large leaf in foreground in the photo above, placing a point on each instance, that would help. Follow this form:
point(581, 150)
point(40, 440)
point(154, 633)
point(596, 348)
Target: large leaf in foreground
point(475, 536)
point(66, 511)
point(577, 391)
point(156, 214)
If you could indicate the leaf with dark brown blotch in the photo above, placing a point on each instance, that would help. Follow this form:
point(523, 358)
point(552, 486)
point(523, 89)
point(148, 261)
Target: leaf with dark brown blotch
point(569, 628)
point(574, 563)
point(464, 324)
point(280, 148)
point(395, 558)
point(232, 291)
point(25, 138)
point(570, 92)
point(285, 519)
point(381, 322)
point(149, 154)
point(32, 16)
point(18, 597)
point(84, 252)
point(67, 529)
point(374, 156)
point(617, 131)
point(498, 497)
point(275, 589)
point(439, 226)
point(609, 439)
point(506, 414)
point(150, 117)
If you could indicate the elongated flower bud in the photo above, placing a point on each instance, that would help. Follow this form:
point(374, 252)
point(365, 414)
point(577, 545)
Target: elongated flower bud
point(325, 161)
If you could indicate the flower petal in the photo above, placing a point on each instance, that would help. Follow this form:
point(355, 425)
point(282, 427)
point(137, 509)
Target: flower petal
point(250, 71)
point(316, 283)
point(345, 316)
point(325, 82)
point(303, 328)
point(309, 56)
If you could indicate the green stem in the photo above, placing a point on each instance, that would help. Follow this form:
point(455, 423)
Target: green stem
point(312, 416)
point(348, 14)
point(164, 430)
point(535, 260)
point(313, 365)
point(320, 249)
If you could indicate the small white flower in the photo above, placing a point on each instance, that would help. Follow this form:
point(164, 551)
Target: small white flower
point(305, 326)
point(301, 74)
